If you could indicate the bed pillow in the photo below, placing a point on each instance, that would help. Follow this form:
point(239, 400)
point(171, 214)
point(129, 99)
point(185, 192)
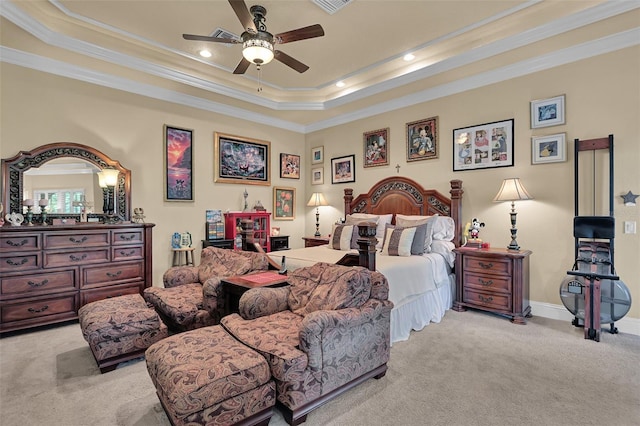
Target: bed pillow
point(444, 228)
point(417, 246)
point(445, 248)
point(341, 237)
point(355, 222)
point(381, 220)
point(398, 241)
point(426, 221)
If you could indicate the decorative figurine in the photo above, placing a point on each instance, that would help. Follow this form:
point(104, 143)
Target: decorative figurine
point(138, 215)
point(175, 240)
point(245, 195)
point(15, 219)
point(474, 230)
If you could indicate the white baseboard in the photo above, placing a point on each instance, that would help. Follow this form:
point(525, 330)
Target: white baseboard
point(559, 312)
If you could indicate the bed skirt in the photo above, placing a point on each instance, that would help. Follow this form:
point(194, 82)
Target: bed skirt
point(420, 311)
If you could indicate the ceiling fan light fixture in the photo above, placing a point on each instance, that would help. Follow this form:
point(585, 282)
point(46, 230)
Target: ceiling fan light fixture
point(257, 51)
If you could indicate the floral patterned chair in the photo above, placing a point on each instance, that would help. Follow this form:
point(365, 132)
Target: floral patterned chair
point(326, 332)
point(192, 296)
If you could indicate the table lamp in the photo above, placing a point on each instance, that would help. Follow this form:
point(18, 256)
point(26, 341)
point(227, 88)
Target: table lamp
point(317, 200)
point(512, 190)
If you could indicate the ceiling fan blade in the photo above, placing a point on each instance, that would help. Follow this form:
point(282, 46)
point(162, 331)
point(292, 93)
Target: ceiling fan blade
point(242, 66)
point(243, 14)
point(208, 38)
point(300, 34)
point(289, 61)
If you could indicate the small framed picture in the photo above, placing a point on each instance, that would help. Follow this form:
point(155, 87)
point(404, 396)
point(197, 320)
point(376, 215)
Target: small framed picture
point(178, 164)
point(343, 169)
point(289, 166)
point(547, 112)
point(376, 148)
point(317, 176)
point(422, 139)
point(284, 203)
point(317, 155)
point(548, 149)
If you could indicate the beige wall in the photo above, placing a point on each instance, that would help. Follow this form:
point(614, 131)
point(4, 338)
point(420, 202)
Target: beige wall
point(39, 108)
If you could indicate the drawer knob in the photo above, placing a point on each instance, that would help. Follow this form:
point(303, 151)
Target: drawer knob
point(37, 311)
point(76, 258)
point(485, 299)
point(80, 241)
point(127, 237)
point(19, 244)
point(14, 263)
point(40, 284)
point(486, 283)
point(126, 254)
point(112, 275)
point(485, 265)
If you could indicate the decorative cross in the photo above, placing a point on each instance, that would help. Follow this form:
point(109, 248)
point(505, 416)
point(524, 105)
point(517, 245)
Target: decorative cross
point(398, 167)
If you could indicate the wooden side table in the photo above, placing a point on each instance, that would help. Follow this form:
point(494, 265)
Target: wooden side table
point(234, 287)
point(315, 241)
point(188, 256)
point(494, 280)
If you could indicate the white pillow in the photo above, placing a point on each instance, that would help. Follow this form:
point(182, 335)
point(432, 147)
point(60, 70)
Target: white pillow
point(397, 242)
point(381, 221)
point(445, 248)
point(341, 237)
point(444, 228)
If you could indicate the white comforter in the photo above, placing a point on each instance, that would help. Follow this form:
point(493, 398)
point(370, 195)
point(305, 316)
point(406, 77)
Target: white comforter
point(407, 276)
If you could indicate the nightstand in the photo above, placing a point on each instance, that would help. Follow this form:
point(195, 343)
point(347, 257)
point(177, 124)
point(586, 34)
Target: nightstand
point(315, 241)
point(220, 243)
point(281, 242)
point(494, 280)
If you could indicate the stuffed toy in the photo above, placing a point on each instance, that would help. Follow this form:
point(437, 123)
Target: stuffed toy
point(474, 229)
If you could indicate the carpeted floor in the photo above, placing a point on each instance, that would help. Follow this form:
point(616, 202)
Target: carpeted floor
point(471, 369)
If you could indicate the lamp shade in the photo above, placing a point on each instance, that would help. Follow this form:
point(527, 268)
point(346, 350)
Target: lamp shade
point(512, 190)
point(317, 199)
point(108, 177)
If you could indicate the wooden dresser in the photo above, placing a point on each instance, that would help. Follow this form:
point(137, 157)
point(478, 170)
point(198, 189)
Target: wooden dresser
point(494, 280)
point(48, 272)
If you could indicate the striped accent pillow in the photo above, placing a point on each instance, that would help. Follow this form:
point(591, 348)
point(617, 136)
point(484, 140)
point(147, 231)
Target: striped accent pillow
point(398, 241)
point(341, 237)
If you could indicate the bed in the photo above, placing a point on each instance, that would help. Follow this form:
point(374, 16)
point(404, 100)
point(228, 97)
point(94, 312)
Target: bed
point(421, 287)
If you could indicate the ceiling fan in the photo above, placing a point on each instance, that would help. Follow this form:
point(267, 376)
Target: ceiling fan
point(257, 42)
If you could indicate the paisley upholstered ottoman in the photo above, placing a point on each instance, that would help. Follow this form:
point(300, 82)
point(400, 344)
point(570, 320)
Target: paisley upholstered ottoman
point(119, 329)
point(206, 377)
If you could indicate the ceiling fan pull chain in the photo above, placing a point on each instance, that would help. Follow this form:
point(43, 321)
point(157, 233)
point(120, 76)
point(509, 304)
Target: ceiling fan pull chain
point(259, 78)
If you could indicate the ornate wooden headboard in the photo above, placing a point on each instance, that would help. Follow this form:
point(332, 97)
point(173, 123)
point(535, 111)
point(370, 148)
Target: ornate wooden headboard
point(401, 195)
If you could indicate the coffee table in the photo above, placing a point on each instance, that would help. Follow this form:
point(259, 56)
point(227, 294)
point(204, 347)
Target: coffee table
point(234, 287)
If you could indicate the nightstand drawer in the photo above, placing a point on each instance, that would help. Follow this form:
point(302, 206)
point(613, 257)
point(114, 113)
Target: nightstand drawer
point(487, 282)
point(488, 300)
point(487, 265)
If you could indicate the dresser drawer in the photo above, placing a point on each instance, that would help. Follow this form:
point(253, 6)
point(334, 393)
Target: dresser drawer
point(89, 296)
point(35, 284)
point(487, 265)
point(121, 237)
point(499, 301)
point(21, 242)
point(112, 273)
point(76, 239)
point(21, 262)
point(487, 282)
point(42, 310)
point(127, 253)
point(73, 258)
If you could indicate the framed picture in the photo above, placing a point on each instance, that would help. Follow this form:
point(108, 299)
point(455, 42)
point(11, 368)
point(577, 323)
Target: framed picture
point(289, 166)
point(422, 139)
point(317, 155)
point(178, 164)
point(547, 112)
point(548, 149)
point(284, 203)
point(376, 148)
point(241, 160)
point(317, 176)
point(483, 146)
point(343, 169)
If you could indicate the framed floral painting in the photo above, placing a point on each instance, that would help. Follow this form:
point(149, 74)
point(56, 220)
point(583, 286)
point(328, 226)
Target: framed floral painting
point(284, 203)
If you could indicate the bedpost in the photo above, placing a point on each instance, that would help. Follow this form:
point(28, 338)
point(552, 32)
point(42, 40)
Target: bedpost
point(348, 198)
point(367, 244)
point(456, 208)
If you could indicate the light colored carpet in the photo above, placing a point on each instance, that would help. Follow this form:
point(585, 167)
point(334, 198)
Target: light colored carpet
point(471, 369)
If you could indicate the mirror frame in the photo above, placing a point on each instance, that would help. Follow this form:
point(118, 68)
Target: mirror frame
point(14, 167)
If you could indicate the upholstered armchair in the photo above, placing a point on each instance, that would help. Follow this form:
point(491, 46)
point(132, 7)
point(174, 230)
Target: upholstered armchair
point(192, 296)
point(324, 333)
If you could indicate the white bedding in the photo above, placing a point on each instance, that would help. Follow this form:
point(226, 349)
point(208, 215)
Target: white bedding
point(420, 287)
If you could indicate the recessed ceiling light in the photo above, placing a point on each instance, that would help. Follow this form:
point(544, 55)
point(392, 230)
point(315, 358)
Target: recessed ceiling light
point(340, 84)
point(205, 53)
point(409, 57)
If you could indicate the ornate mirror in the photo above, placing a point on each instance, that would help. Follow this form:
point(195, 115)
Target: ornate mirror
point(65, 171)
